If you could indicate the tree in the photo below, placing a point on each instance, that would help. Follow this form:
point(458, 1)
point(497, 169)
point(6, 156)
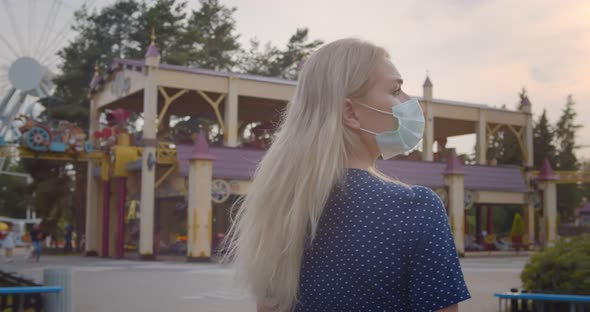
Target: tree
point(211, 36)
point(274, 62)
point(259, 60)
point(119, 30)
point(569, 196)
point(13, 198)
point(543, 138)
point(101, 37)
point(504, 146)
point(168, 20)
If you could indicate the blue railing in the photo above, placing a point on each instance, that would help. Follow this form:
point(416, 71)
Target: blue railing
point(26, 298)
point(535, 302)
point(30, 290)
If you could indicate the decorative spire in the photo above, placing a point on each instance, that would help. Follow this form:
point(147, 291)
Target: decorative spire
point(525, 103)
point(427, 88)
point(546, 173)
point(201, 148)
point(152, 52)
point(427, 82)
point(454, 165)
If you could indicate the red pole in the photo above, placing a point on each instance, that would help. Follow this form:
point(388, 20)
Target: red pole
point(106, 198)
point(490, 221)
point(121, 216)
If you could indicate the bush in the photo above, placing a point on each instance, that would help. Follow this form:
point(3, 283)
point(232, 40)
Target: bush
point(561, 269)
point(517, 226)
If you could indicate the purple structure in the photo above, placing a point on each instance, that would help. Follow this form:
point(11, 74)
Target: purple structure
point(121, 216)
point(106, 197)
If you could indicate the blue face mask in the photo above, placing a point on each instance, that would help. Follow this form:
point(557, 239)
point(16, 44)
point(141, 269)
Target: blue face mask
point(409, 132)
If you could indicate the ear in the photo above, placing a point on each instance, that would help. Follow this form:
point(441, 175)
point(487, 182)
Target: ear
point(349, 116)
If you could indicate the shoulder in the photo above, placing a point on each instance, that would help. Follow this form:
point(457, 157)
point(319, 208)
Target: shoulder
point(428, 207)
point(424, 196)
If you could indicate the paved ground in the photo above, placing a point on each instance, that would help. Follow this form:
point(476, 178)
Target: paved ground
point(122, 285)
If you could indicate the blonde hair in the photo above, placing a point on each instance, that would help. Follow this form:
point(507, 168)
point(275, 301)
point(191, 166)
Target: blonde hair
point(292, 183)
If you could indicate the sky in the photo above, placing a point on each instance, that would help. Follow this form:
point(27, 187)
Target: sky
point(476, 51)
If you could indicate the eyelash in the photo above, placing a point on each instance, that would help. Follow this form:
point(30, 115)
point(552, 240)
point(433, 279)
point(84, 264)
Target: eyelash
point(396, 91)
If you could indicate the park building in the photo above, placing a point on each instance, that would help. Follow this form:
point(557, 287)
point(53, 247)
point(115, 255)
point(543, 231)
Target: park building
point(169, 188)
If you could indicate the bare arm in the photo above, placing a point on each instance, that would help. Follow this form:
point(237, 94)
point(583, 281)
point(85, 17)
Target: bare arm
point(453, 308)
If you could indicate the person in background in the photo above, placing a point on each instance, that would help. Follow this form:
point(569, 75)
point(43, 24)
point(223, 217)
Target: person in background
point(9, 243)
point(68, 238)
point(36, 239)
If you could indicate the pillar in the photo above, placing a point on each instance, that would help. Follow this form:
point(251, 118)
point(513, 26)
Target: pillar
point(112, 227)
point(546, 181)
point(490, 220)
point(529, 211)
point(92, 209)
point(481, 139)
point(454, 179)
point(121, 199)
point(106, 201)
point(529, 141)
point(478, 237)
point(231, 114)
point(530, 221)
point(199, 202)
point(148, 162)
point(93, 186)
point(428, 139)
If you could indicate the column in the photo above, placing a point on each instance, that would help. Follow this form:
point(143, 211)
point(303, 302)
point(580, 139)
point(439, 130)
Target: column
point(428, 138)
point(546, 181)
point(530, 221)
point(454, 179)
point(92, 190)
point(478, 237)
point(481, 138)
point(199, 202)
point(550, 210)
point(148, 166)
point(529, 142)
point(106, 202)
point(112, 228)
point(92, 209)
point(121, 198)
point(490, 220)
point(231, 114)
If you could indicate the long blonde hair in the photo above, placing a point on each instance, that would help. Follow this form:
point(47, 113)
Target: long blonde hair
point(293, 181)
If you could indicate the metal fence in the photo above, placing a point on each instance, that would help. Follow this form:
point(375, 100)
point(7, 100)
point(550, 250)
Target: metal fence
point(18, 294)
point(535, 302)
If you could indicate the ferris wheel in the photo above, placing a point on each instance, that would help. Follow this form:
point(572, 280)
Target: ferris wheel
point(31, 34)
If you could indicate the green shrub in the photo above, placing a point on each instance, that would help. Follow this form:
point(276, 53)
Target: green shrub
point(517, 226)
point(561, 269)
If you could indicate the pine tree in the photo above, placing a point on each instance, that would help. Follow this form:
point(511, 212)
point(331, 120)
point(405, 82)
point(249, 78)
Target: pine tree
point(543, 139)
point(568, 195)
point(211, 36)
point(274, 62)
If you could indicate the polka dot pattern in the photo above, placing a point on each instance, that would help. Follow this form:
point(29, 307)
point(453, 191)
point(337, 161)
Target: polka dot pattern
point(381, 247)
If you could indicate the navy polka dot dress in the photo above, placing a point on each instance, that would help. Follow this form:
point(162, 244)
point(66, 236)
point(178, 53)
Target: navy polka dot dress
point(381, 247)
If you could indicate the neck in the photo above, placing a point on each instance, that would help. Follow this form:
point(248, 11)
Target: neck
point(361, 160)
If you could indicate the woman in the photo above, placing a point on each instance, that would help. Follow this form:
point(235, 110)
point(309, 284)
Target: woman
point(321, 229)
point(9, 243)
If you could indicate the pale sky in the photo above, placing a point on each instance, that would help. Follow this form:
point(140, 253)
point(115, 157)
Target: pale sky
point(476, 51)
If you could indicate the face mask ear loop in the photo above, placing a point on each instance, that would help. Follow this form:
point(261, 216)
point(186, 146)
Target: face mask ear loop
point(369, 131)
point(375, 109)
